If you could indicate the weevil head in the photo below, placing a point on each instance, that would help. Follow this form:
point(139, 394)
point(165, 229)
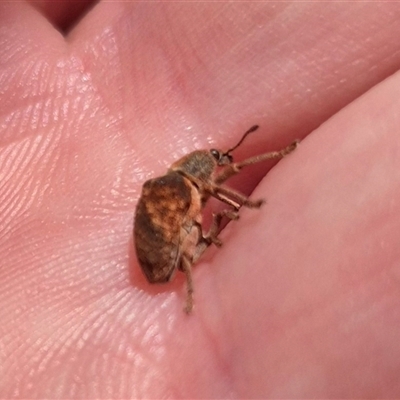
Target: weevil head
point(201, 164)
point(221, 158)
point(225, 158)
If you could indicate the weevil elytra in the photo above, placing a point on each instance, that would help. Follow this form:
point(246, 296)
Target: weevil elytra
point(168, 232)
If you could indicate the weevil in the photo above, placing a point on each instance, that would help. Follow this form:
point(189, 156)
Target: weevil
point(168, 229)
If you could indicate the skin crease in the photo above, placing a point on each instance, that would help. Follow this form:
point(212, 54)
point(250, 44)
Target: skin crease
point(302, 299)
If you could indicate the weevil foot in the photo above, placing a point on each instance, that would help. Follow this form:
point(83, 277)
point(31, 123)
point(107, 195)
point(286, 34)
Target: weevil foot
point(188, 307)
point(254, 203)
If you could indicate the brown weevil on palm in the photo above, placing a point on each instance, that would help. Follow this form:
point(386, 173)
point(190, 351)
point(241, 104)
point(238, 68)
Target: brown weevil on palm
point(168, 229)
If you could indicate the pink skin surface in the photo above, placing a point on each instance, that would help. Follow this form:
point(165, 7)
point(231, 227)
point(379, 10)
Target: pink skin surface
point(303, 298)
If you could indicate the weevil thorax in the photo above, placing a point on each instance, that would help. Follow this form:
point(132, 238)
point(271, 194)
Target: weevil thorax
point(200, 164)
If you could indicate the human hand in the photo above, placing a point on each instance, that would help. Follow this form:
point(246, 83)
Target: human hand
point(302, 299)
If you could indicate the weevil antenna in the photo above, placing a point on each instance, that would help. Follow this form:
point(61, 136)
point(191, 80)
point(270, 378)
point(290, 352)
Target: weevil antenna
point(251, 130)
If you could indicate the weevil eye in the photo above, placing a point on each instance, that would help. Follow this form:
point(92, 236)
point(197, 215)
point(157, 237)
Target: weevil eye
point(216, 154)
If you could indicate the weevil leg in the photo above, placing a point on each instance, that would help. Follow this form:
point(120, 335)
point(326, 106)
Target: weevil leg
point(226, 195)
point(212, 234)
point(205, 241)
point(233, 169)
point(187, 268)
point(233, 198)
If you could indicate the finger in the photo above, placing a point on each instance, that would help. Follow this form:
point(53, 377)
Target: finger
point(25, 31)
point(308, 285)
point(29, 46)
point(62, 13)
point(289, 66)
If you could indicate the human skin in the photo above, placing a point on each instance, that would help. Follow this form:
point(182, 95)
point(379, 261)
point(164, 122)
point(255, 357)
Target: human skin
point(303, 298)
